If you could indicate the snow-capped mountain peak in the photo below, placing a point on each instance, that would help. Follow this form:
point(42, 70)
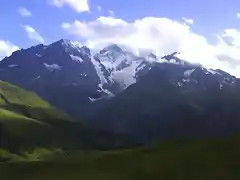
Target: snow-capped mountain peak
point(111, 55)
point(66, 70)
point(68, 43)
point(85, 50)
point(111, 48)
point(122, 65)
point(113, 68)
point(172, 58)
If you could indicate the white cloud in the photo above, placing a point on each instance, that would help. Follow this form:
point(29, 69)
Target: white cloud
point(33, 34)
point(99, 8)
point(77, 5)
point(238, 15)
point(24, 12)
point(188, 21)
point(6, 48)
point(162, 36)
point(233, 36)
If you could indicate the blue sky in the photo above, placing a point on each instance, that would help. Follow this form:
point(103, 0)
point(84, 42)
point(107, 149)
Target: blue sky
point(158, 23)
point(209, 16)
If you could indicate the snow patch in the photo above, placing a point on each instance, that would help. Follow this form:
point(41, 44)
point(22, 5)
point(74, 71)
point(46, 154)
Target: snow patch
point(179, 84)
point(52, 67)
point(186, 80)
point(151, 59)
point(38, 55)
point(83, 74)
point(100, 73)
point(221, 86)
point(38, 77)
point(69, 45)
point(141, 67)
point(126, 76)
point(205, 71)
point(13, 65)
point(92, 99)
point(188, 72)
point(75, 44)
point(105, 90)
point(123, 65)
point(111, 59)
point(77, 58)
point(85, 50)
point(173, 61)
point(213, 72)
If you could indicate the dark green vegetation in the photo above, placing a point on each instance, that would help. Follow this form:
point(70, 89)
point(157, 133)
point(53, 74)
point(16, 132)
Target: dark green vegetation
point(27, 122)
point(25, 119)
point(184, 160)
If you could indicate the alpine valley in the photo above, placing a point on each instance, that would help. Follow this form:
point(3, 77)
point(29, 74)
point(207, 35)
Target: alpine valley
point(63, 103)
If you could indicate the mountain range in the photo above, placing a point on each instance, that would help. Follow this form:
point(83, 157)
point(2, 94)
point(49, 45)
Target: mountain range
point(143, 95)
point(66, 68)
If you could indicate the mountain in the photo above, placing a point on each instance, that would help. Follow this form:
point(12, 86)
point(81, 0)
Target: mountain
point(123, 66)
point(70, 76)
point(27, 121)
point(142, 95)
point(175, 99)
point(54, 71)
point(126, 100)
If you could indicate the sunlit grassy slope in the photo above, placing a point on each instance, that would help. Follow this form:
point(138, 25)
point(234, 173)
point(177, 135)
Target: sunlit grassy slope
point(180, 160)
point(17, 104)
point(28, 122)
point(14, 98)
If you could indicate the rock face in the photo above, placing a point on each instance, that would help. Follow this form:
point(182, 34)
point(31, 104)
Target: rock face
point(173, 101)
point(70, 76)
point(145, 96)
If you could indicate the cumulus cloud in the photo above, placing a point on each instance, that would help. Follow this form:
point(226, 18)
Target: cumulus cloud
point(188, 21)
point(33, 34)
point(24, 12)
point(77, 5)
point(6, 48)
point(162, 36)
point(233, 37)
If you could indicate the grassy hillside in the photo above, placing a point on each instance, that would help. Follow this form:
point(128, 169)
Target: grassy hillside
point(14, 98)
point(25, 119)
point(177, 160)
point(41, 142)
point(27, 122)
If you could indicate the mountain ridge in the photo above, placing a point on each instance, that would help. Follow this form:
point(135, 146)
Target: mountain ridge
point(68, 66)
point(110, 54)
point(83, 84)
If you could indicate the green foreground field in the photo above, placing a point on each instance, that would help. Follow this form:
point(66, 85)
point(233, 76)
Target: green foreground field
point(215, 159)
